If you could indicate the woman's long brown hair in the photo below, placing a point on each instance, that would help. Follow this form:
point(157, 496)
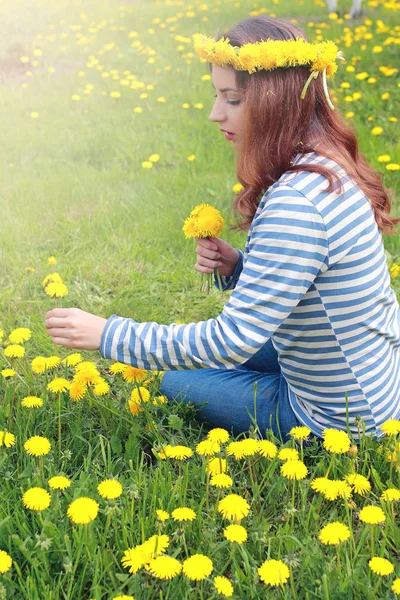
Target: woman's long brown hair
point(278, 125)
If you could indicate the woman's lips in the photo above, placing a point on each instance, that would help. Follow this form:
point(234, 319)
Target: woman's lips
point(228, 134)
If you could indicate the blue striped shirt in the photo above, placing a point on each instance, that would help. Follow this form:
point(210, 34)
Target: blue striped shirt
point(313, 277)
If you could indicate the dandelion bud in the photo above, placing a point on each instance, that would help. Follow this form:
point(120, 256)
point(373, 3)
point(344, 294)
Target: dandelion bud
point(353, 451)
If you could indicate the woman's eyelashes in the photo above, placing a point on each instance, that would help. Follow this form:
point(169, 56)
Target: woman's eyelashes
point(234, 102)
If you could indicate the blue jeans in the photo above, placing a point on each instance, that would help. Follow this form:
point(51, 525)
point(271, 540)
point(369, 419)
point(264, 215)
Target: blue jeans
point(225, 398)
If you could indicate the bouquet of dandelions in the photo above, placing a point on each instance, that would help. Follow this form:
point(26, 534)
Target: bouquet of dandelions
point(203, 222)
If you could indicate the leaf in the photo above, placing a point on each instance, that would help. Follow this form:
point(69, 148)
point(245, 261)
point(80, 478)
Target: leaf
point(211, 192)
point(131, 443)
point(116, 444)
point(377, 479)
point(175, 422)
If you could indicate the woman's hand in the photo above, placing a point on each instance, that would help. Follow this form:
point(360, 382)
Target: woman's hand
point(213, 253)
point(74, 328)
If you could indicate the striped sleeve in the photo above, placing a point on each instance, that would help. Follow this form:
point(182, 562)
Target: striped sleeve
point(229, 283)
point(286, 251)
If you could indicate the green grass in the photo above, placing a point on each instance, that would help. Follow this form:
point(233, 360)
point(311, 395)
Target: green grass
point(72, 186)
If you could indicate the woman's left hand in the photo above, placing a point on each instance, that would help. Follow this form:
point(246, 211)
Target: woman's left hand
point(74, 328)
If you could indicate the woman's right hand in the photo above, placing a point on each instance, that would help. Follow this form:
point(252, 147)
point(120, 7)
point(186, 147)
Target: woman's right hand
point(213, 253)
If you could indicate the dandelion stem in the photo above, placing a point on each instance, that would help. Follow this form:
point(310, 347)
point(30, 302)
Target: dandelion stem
point(59, 425)
point(372, 541)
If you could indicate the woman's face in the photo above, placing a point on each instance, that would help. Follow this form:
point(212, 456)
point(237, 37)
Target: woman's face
point(228, 109)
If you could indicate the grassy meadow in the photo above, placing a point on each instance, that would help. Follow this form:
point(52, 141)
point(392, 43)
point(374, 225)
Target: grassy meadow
point(106, 147)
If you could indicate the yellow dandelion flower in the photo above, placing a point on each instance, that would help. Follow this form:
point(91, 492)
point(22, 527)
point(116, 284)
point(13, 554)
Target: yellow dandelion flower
point(273, 572)
point(52, 362)
point(189, 228)
point(207, 448)
point(162, 515)
point(87, 366)
point(101, 387)
point(197, 567)
point(36, 498)
point(109, 489)
point(56, 289)
point(337, 489)
point(216, 466)
point(159, 400)
point(5, 562)
point(83, 510)
point(394, 270)
point(288, 454)
point(300, 433)
point(235, 533)
point(183, 514)
point(134, 375)
point(320, 484)
point(87, 376)
point(8, 373)
point(140, 394)
point(165, 567)
point(223, 586)
point(38, 365)
point(32, 402)
point(267, 449)
point(391, 427)
point(37, 445)
point(249, 446)
point(235, 449)
point(52, 260)
point(336, 441)
point(396, 586)
point(14, 351)
point(372, 515)
point(20, 335)
point(222, 480)
point(78, 390)
point(209, 221)
point(134, 408)
point(381, 566)
point(334, 533)
point(391, 494)
point(178, 452)
point(377, 130)
point(59, 482)
point(154, 546)
point(117, 368)
point(59, 385)
point(7, 439)
point(392, 167)
point(237, 188)
point(359, 483)
point(294, 469)
point(249, 57)
point(233, 507)
point(72, 360)
point(134, 559)
point(52, 277)
point(218, 435)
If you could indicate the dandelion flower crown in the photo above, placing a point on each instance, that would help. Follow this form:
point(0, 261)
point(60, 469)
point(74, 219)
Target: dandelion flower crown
point(271, 54)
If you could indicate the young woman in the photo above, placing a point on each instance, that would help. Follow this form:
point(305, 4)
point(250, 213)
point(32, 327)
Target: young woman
point(312, 319)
